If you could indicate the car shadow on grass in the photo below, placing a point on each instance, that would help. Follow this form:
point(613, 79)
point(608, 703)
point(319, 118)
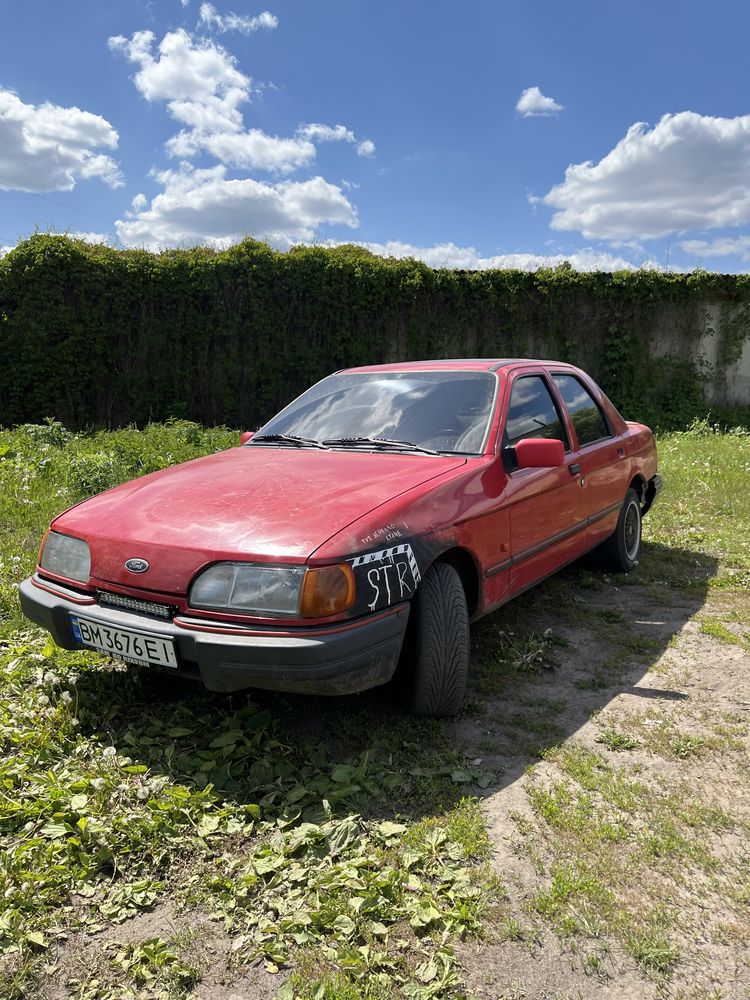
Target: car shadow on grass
point(542, 666)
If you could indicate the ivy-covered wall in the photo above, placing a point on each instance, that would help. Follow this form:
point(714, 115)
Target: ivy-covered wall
point(103, 337)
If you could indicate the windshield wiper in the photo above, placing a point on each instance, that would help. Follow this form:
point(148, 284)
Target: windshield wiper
point(381, 443)
point(294, 439)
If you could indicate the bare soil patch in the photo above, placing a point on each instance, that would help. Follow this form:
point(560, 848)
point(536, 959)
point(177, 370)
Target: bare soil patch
point(680, 702)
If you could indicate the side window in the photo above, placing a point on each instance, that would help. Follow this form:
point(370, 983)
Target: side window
point(532, 413)
point(587, 418)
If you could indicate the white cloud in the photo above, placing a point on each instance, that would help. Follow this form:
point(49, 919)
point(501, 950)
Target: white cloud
point(326, 133)
point(199, 81)
point(49, 148)
point(336, 133)
point(211, 18)
point(203, 89)
point(251, 149)
point(533, 104)
point(726, 246)
point(101, 238)
point(469, 259)
point(688, 172)
point(204, 206)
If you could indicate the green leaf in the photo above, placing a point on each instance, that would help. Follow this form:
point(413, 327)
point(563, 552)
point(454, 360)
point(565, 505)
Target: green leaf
point(54, 830)
point(389, 830)
point(342, 835)
point(258, 721)
point(423, 915)
point(209, 824)
point(427, 972)
point(342, 773)
point(344, 925)
point(305, 833)
point(227, 739)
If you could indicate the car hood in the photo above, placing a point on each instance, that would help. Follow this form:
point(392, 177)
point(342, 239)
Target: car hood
point(257, 502)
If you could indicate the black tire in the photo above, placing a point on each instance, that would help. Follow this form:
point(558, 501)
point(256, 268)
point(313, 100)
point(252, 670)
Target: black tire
point(622, 550)
point(440, 644)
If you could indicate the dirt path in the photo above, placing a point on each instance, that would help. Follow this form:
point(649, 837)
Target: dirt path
point(654, 820)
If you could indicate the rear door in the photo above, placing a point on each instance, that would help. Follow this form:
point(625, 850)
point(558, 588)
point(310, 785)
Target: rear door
point(602, 454)
point(547, 509)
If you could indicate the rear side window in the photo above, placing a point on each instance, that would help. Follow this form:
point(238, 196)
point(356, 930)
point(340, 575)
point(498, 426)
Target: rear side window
point(587, 418)
point(532, 413)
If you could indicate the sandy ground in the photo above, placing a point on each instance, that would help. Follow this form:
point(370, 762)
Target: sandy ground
point(688, 682)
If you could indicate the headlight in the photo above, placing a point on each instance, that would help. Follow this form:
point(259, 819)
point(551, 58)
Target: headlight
point(275, 590)
point(66, 556)
point(249, 587)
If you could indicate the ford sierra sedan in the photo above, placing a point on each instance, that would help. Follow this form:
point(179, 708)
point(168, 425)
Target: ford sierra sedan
point(360, 530)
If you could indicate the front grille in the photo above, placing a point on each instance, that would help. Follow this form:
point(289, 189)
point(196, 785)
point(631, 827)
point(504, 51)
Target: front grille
point(162, 611)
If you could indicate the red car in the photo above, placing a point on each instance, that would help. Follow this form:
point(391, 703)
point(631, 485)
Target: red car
point(368, 522)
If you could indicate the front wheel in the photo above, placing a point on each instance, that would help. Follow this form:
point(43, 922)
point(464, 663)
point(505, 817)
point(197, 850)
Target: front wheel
point(622, 550)
point(440, 636)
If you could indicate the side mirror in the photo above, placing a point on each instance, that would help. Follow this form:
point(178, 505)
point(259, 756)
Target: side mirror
point(539, 453)
point(245, 436)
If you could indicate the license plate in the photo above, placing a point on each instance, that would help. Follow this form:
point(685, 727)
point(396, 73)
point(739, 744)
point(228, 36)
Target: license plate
point(134, 647)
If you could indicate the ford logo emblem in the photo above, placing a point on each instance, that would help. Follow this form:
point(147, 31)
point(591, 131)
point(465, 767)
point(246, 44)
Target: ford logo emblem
point(136, 565)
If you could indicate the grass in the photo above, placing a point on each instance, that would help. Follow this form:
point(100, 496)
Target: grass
point(616, 741)
point(652, 949)
point(338, 843)
point(718, 630)
point(605, 832)
point(703, 517)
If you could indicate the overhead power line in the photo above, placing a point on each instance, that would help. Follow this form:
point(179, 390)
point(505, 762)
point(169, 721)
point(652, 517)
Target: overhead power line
point(72, 208)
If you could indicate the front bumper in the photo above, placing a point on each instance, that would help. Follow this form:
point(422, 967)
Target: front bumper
point(352, 656)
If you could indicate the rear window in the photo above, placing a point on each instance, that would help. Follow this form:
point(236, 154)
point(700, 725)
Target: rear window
point(587, 417)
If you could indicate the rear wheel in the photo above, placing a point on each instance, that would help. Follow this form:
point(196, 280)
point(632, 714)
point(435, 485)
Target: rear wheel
point(440, 643)
point(622, 550)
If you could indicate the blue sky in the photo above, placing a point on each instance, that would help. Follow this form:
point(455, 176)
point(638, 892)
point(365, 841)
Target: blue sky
point(474, 135)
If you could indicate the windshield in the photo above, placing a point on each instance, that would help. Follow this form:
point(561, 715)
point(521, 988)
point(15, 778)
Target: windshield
point(440, 411)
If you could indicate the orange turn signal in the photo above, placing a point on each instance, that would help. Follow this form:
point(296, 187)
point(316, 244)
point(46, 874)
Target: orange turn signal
point(327, 590)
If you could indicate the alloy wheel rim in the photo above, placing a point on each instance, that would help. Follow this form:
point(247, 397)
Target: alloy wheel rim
point(632, 530)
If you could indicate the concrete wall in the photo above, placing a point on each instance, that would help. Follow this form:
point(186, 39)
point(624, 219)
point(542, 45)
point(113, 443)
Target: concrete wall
point(701, 335)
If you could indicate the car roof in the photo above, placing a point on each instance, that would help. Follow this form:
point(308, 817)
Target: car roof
point(452, 364)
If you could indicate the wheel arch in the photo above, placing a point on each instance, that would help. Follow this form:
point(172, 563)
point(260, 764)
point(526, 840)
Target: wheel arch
point(465, 565)
point(638, 483)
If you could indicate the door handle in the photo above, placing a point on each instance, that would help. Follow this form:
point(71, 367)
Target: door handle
point(621, 452)
point(575, 469)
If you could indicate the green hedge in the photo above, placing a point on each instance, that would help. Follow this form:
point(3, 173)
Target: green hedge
point(102, 337)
